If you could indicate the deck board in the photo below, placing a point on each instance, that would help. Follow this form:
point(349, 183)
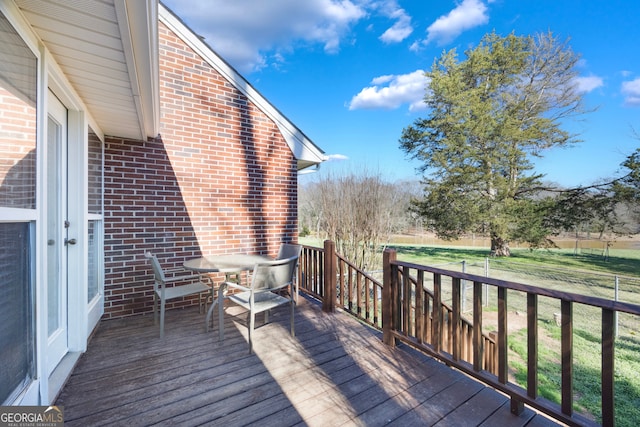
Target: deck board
point(334, 372)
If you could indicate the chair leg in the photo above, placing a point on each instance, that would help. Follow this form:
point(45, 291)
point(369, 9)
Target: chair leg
point(293, 308)
point(209, 319)
point(155, 307)
point(252, 323)
point(162, 309)
point(220, 302)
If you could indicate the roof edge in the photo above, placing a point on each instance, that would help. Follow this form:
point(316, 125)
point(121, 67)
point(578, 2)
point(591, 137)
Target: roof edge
point(138, 22)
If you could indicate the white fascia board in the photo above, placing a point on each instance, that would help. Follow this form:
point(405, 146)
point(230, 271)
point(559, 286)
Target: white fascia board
point(138, 23)
point(301, 146)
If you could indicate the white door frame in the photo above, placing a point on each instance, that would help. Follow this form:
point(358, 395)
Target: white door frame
point(56, 194)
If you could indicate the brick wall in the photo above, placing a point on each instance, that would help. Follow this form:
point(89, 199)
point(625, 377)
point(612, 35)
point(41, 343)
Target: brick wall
point(221, 179)
point(17, 152)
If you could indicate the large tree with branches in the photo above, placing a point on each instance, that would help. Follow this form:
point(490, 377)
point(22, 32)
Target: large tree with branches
point(488, 116)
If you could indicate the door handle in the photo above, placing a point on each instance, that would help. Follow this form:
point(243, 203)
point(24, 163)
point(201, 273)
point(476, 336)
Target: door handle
point(70, 241)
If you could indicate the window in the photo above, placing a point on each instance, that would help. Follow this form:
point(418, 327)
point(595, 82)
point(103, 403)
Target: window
point(18, 89)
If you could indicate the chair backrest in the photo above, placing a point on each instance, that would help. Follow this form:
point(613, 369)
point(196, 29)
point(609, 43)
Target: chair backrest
point(156, 267)
point(273, 275)
point(288, 250)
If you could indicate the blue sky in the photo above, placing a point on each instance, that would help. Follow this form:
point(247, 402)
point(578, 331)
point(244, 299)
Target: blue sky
point(349, 73)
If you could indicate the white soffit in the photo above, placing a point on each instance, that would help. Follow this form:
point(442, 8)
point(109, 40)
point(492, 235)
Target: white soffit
point(108, 50)
point(305, 151)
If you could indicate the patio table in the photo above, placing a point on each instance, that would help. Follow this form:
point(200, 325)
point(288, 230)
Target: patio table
point(232, 263)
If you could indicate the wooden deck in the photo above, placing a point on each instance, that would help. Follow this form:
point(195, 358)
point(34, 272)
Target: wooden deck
point(334, 372)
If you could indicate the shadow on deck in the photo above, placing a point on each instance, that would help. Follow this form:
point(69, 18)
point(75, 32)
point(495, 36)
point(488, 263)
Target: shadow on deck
point(334, 372)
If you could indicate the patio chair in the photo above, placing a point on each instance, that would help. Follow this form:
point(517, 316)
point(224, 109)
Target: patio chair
point(288, 250)
point(261, 296)
point(194, 284)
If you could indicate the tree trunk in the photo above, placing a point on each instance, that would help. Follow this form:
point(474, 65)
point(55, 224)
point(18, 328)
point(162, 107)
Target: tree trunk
point(499, 246)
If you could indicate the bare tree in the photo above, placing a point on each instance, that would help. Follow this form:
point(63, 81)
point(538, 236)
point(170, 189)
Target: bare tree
point(358, 212)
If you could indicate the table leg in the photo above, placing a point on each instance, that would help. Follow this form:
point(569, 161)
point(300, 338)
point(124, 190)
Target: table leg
point(209, 319)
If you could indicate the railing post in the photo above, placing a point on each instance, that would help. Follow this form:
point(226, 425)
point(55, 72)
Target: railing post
point(388, 257)
point(329, 277)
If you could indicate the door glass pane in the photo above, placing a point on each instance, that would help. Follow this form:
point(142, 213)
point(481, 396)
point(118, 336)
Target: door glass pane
point(16, 309)
point(96, 180)
point(95, 174)
point(54, 229)
point(95, 233)
point(17, 120)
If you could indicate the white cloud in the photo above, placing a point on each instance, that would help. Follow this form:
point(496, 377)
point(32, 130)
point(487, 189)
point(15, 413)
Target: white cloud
point(246, 32)
point(587, 84)
point(400, 30)
point(253, 34)
point(337, 157)
point(466, 15)
point(399, 89)
point(631, 91)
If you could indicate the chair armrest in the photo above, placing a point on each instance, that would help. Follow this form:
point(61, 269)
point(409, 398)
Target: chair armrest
point(179, 274)
point(235, 286)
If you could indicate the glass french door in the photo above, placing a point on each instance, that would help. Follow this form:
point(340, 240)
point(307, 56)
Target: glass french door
point(56, 195)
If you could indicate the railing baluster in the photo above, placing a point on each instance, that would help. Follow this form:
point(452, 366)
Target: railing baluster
point(390, 276)
point(341, 282)
point(428, 318)
point(358, 294)
point(376, 318)
point(608, 362)
point(406, 302)
point(532, 345)
point(350, 285)
point(455, 327)
point(367, 299)
point(566, 308)
point(437, 312)
point(503, 367)
point(419, 316)
point(397, 301)
point(477, 326)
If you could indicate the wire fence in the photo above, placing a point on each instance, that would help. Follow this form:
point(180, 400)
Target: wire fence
point(607, 286)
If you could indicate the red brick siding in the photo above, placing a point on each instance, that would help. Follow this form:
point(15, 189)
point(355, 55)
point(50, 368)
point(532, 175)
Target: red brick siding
point(17, 152)
point(221, 179)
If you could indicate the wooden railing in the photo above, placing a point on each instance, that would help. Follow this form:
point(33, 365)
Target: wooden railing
point(324, 272)
point(408, 311)
point(406, 321)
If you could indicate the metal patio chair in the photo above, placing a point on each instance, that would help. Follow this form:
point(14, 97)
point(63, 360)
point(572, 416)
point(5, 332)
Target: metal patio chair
point(288, 250)
point(261, 295)
point(193, 283)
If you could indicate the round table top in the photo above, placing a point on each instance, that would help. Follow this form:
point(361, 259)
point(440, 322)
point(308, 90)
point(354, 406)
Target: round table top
point(225, 263)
